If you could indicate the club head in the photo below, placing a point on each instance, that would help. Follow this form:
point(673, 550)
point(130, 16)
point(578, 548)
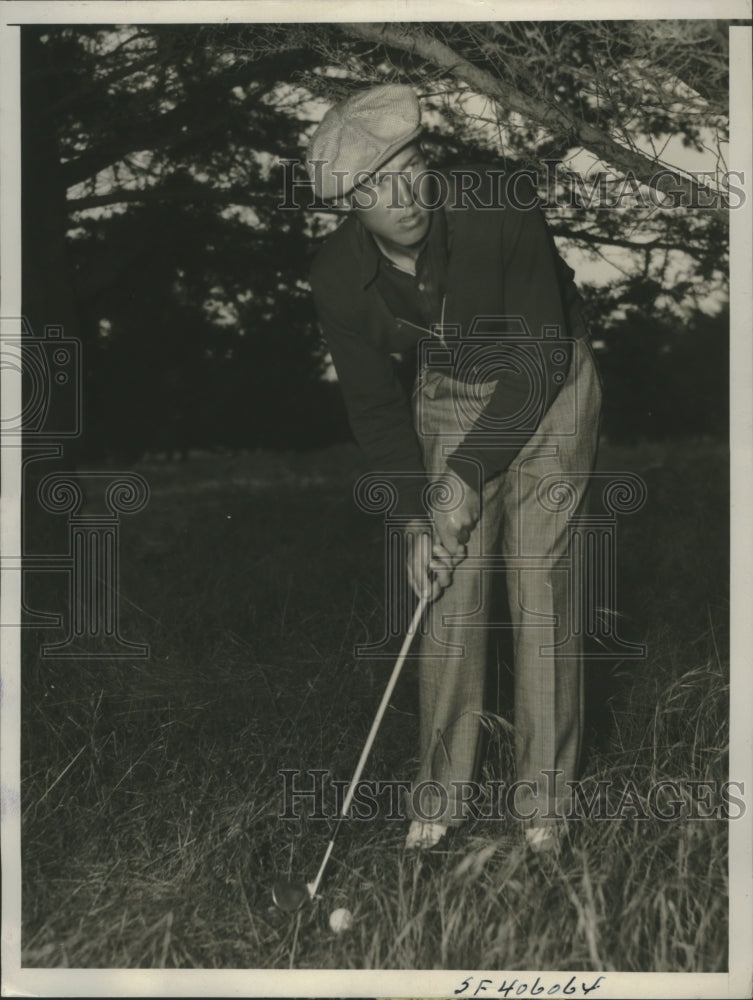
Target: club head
point(289, 896)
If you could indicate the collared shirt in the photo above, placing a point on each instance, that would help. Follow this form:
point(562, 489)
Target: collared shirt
point(500, 263)
point(417, 298)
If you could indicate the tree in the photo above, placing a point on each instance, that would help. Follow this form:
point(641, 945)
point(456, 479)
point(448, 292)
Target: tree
point(607, 95)
point(600, 85)
point(663, 380)
point(151, 190)
point(163, 211)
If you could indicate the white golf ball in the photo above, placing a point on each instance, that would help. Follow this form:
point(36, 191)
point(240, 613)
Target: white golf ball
point(340, 920)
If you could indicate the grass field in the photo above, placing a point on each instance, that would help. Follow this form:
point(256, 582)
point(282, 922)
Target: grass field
point(151, 791)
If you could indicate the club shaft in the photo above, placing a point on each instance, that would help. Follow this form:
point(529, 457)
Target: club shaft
point(314, 887)
point(412, 629)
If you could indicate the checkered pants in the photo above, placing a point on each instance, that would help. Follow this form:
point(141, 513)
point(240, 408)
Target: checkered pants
point(548, 713)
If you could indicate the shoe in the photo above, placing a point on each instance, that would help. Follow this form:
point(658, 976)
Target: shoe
point(544, 840)
point(424, 836)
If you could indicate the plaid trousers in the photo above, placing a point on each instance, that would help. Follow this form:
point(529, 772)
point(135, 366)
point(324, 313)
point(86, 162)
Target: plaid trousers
point(548, 711)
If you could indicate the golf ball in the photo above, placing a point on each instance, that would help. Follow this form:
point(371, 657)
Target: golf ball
point(340, 920)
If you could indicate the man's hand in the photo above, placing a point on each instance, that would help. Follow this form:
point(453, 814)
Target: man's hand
point(454, 527)
point(428, 563)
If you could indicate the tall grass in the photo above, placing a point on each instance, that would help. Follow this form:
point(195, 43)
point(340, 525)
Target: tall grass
point(151, 795)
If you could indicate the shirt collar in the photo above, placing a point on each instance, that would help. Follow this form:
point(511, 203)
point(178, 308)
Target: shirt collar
point(369, 255)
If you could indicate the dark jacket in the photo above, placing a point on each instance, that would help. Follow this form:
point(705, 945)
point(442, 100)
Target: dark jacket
point(501, 262)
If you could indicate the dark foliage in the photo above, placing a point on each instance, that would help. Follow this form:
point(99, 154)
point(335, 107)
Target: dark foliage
point(151, 230)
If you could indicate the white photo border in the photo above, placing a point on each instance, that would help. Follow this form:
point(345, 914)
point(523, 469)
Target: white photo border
point(18, 981)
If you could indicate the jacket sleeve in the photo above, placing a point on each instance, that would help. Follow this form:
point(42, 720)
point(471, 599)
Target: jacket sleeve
point(536, 282)
point(378, 409)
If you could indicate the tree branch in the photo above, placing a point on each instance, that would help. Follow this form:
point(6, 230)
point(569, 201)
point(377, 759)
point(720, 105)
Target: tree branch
point(417, 42)
point(595, 239)
point(251, 198)
point(70, 100)
point(220, 196)
point(165, 129)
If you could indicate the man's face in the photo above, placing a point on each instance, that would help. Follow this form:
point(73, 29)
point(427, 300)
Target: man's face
point(386, 203)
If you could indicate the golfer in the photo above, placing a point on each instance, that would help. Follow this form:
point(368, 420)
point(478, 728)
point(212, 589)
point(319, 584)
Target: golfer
point(456, 333)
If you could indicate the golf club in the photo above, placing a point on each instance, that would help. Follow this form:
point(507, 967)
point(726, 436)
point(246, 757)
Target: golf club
point(289, 895)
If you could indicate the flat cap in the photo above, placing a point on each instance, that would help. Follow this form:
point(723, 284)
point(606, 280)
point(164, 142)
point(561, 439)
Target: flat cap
point(358, 135)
